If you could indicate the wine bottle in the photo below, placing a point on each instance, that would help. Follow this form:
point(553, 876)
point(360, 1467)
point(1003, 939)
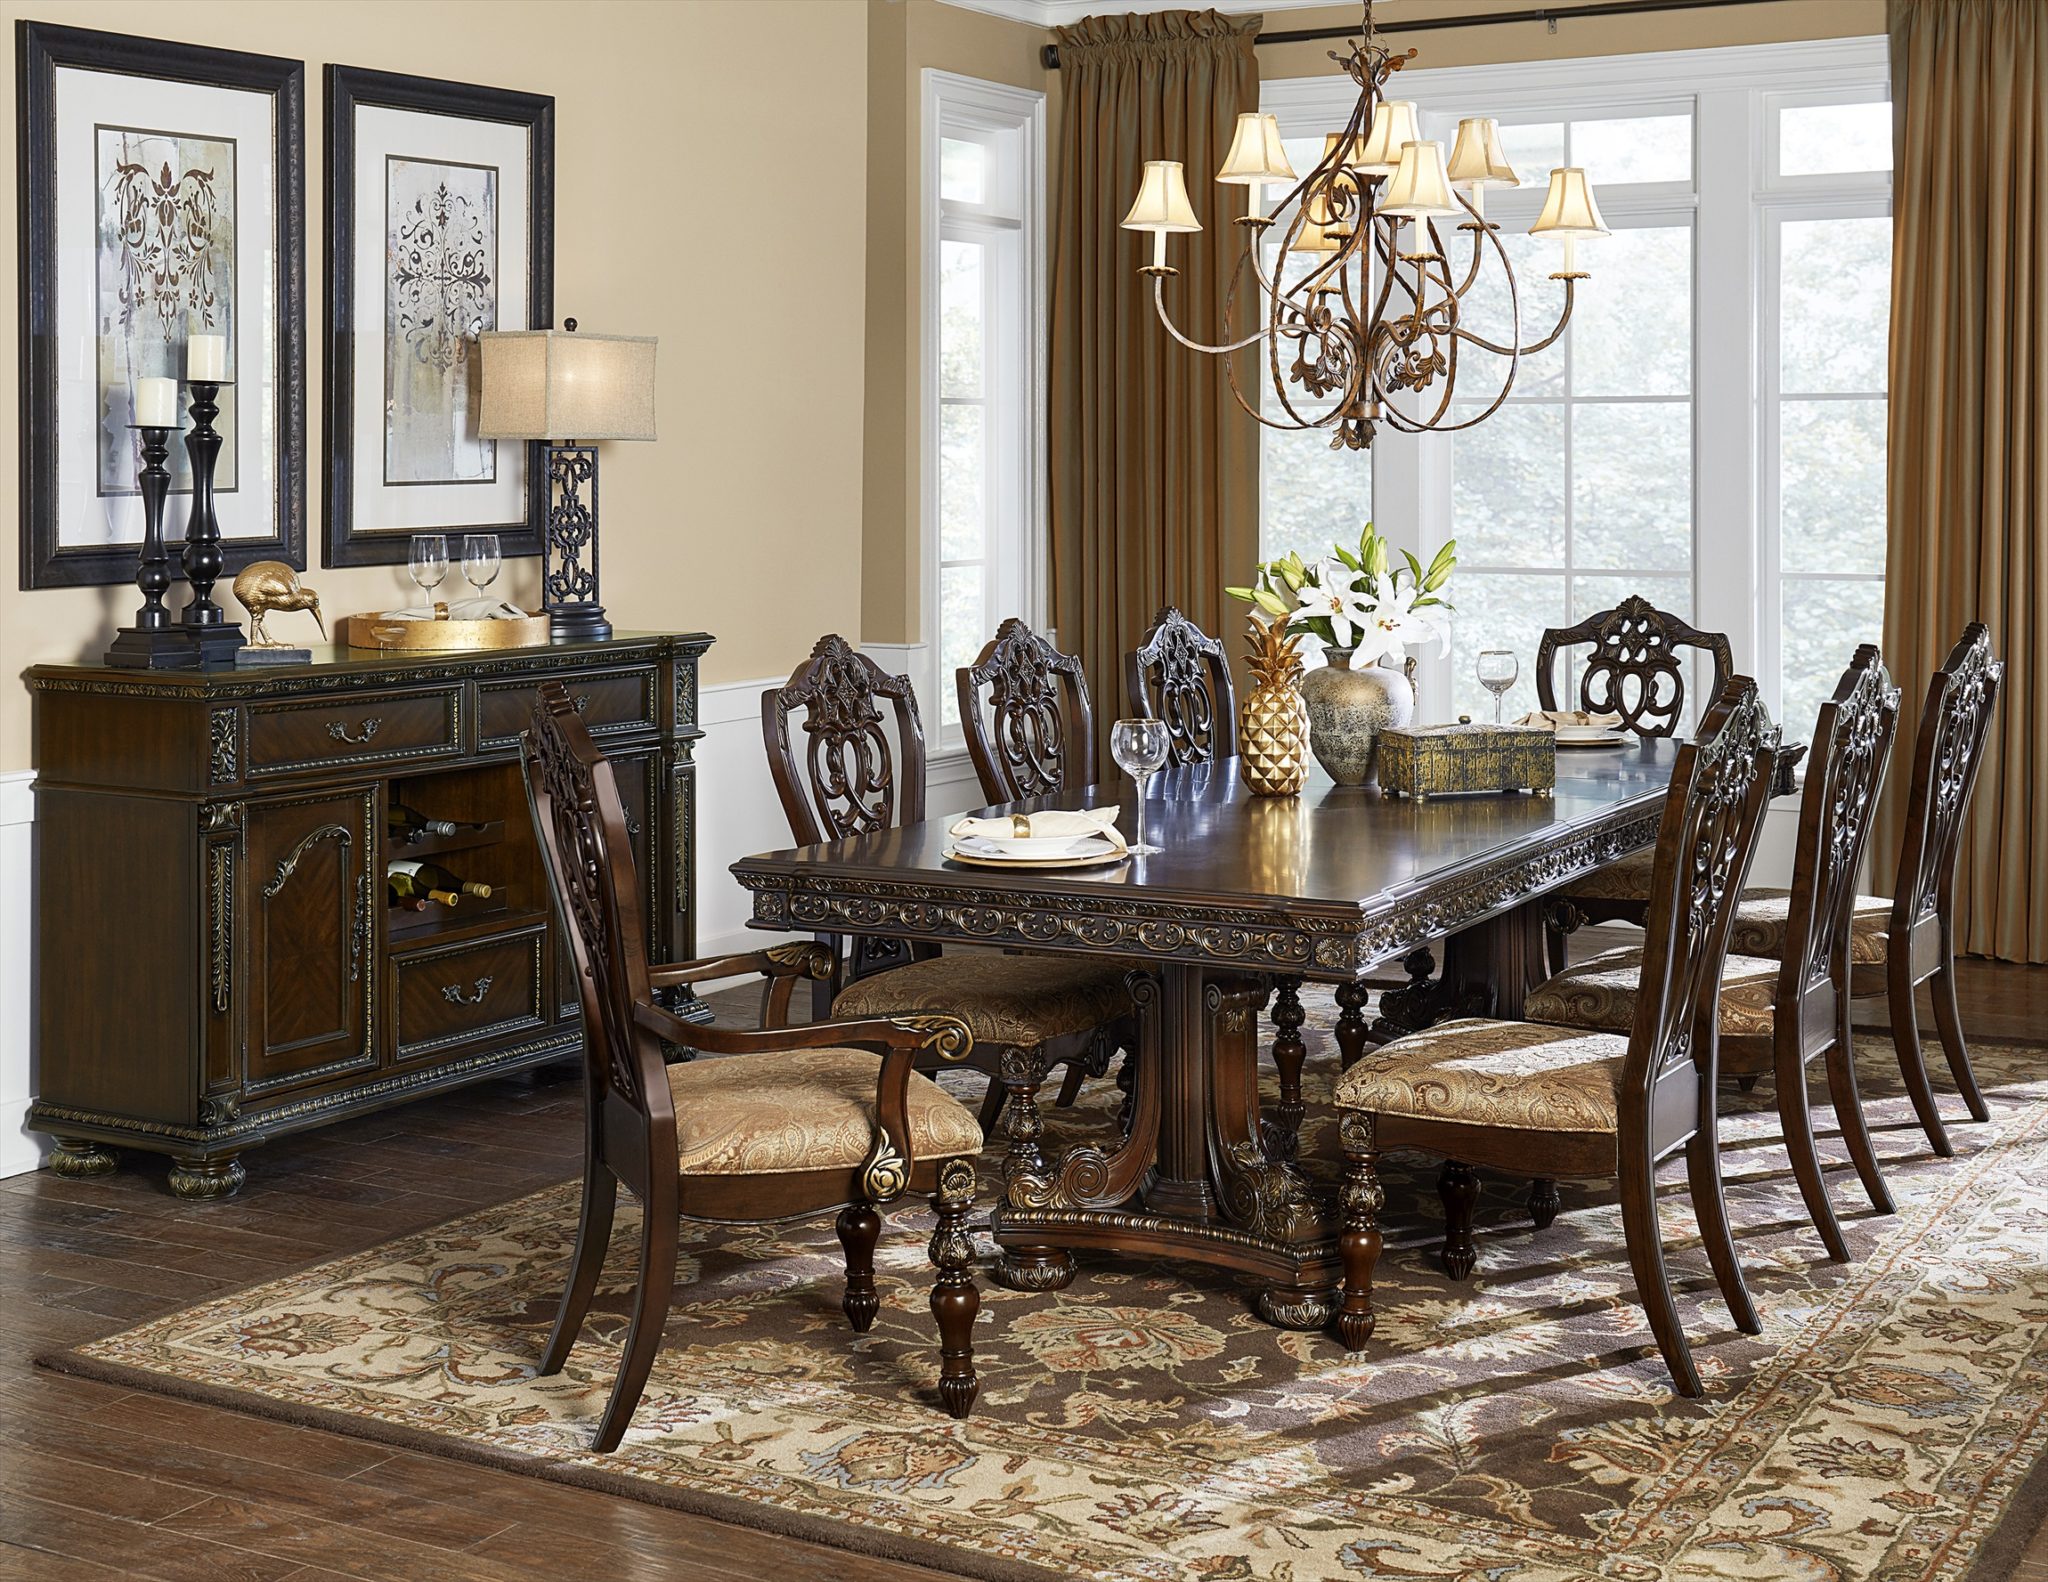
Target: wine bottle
point(407, 825)
point(436, 881)
point(407, 892)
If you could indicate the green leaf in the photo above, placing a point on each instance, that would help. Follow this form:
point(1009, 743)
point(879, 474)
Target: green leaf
point(1348, 558)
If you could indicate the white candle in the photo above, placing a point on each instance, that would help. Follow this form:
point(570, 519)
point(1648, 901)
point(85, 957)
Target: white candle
point(156, 403)
point(206, 358)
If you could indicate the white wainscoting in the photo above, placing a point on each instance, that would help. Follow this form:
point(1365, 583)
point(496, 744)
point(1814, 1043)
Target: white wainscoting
point(20, 1151)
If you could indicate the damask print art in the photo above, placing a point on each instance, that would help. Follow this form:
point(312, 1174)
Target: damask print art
point(441, 292)
point(165, 221)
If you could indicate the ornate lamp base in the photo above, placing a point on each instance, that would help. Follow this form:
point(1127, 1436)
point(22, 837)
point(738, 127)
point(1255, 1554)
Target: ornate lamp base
point(568, 585)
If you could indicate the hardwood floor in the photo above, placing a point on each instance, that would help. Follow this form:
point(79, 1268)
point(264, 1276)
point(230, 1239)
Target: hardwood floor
point(99, 1482)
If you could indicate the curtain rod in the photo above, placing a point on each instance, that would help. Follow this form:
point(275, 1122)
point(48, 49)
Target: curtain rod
point(1551, 14)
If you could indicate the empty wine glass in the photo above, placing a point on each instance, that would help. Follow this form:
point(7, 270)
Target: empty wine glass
point(481, 560)
point(1139, 748)
point(1498, 669)
point(429, 562)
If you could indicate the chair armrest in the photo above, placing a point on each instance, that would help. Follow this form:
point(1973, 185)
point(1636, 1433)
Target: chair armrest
point(800, 959)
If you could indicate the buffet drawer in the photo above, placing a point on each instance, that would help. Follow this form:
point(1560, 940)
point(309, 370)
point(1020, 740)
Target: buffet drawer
point(293, 738)
point(445, 997)
point(609, 702)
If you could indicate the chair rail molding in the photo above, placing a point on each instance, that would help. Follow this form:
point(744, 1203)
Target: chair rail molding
point(20, 1151)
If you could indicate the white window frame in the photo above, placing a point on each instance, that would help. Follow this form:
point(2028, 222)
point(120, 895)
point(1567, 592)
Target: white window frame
point(1014, 383)
point(1735, 200)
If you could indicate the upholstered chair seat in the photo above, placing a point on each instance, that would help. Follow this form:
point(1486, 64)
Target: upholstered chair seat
point(1627, 880)
point(1484, 1073)
point(1762, 919)
point(1002, 999)
point(802, 1110)
point(1599, 994)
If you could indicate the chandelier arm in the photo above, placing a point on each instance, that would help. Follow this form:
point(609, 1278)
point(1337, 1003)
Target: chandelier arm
point(1563, 319)
point(1159, 302)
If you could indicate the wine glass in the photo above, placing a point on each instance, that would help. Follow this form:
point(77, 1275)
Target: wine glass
point(481, 560)
point(1498, 669)
point(1139, 748)
point(429, 562)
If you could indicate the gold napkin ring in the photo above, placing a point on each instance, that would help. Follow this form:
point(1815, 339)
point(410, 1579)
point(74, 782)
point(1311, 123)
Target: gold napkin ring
point(1020, 825)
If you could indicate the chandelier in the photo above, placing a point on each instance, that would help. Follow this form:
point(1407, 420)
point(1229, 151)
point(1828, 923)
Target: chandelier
point(1376, 311)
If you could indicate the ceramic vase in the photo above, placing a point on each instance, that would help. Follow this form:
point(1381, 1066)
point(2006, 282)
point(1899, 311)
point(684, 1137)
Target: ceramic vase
point(1347, 710)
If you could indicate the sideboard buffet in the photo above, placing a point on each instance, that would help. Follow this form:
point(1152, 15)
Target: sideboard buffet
point(216, 962)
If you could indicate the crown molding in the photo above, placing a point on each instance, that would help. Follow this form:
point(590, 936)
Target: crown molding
point(1059, 13)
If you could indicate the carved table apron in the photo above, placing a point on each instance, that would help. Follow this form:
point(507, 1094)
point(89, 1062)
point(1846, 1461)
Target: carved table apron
point(1247, 891)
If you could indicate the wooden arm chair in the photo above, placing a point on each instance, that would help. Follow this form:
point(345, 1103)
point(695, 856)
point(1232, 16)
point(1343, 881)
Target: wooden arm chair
point(1029, 1014)
point(1783, 1008)
point(1033, 734)
point(826, 1116)
point(1557, 1101)
point(1894, 946)
point(1636, 670)
point(1179, 673)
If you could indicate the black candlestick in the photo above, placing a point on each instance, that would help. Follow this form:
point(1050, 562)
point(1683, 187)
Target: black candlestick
point(153, 643)
point(205, 625)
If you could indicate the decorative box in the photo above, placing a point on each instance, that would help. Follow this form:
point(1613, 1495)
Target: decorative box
point(1442, 760)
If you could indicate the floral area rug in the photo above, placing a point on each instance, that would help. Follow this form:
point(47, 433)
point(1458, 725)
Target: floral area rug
point(1143, 1423)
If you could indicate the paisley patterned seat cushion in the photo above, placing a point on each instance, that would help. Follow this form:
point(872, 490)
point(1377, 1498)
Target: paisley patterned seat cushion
point(1002, 999)
point(803, 1109)
point(1627, 880)
point(1760, 926)
point(1600, 992)
point(1486, 1073)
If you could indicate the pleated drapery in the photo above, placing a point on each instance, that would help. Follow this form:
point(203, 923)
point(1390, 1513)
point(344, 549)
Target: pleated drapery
point(1154, 468)
point(1968, 455)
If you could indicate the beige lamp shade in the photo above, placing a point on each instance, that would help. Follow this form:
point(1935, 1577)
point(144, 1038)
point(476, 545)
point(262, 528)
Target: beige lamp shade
point(1312, 238)
point(1393, 128)
point(1419, 188)
point(1162, 204)
point(1352, 155)
point(1257, 155)
point(556, 384)
point(1569, 209)
point(1476, 157)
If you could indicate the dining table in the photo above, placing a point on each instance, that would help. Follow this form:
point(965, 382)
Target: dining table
point(1246, 898)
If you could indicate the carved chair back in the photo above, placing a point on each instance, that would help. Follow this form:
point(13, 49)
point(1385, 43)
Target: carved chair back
point(1637, 667)
point(1034, 734)
point(846, 780)
point(1852, 742)
point(589, 859)
point(1954, 725)
point(1712, 814)
point(1179, 673)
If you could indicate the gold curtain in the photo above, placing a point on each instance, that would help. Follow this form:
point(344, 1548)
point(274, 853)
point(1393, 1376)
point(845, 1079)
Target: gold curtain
point(1968, 468)
point(1154, 469)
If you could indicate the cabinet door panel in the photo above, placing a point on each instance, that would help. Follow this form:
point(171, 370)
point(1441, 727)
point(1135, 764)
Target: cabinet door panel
point(308, 894)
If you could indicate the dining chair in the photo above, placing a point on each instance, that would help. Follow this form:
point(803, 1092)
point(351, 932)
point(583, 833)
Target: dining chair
point(826, 1116)
point(1636, 670)
point(1783, 1009)
point(1896, 945)
point(1557, 1101)
point(1178, 673)
point(1025, 712)
point(837, 774)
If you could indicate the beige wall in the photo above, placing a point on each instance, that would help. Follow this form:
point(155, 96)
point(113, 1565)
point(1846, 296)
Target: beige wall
point(904, 37)
point(759, 467)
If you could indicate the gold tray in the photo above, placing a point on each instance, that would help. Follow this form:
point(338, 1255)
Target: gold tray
point(1090, 860)
point(376, 632)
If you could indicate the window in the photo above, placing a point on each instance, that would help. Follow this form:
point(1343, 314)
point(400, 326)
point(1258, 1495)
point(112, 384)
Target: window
point(1710, 430)
point(984, 159)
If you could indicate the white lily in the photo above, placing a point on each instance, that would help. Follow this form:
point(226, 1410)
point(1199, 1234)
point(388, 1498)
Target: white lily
point(1392, 623)
point(1331, 597)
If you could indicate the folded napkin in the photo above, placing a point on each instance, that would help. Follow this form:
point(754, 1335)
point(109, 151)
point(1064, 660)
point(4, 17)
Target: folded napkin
point(1057, 824)
point(1558, 719)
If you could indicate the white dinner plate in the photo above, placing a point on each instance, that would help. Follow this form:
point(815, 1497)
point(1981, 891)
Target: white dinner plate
point(1590, 736)
point(1032, 847)
point(1083, 853)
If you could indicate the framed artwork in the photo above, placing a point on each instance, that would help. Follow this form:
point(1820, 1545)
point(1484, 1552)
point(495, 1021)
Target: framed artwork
point(161, 198)
point(440, 226)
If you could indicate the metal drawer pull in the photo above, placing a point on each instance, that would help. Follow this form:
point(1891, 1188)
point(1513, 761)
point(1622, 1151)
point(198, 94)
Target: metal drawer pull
point(452, 993)
point(339, 731)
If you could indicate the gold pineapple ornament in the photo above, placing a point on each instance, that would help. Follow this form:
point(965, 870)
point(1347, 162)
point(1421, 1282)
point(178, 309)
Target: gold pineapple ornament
point(1273, 721)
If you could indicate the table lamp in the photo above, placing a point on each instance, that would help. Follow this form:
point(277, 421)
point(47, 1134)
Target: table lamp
point(568, 390)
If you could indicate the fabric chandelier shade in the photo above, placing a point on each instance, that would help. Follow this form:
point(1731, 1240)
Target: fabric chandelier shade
point(556, 384)
point(1153, 471)
point(1967, 462)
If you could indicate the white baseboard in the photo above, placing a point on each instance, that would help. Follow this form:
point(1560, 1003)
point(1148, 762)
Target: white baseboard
point(20, 1151)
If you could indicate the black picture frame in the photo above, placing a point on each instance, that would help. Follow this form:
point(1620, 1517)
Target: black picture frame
point(348, 88)
point(41, 48)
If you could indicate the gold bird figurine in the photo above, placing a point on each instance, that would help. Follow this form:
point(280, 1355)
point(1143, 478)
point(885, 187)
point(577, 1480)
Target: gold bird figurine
point(266, 586)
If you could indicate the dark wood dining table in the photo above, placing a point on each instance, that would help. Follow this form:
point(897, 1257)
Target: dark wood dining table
point(1248, 896)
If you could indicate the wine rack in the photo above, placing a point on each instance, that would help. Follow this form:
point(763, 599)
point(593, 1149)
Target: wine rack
point(217, 962)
